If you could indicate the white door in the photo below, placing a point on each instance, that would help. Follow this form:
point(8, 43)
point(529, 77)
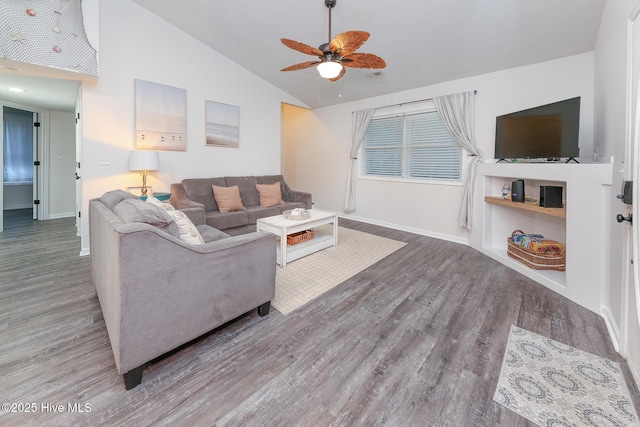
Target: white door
point(630, 325)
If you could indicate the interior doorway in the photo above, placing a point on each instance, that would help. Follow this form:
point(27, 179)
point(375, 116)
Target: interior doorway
point(22, 140)
point(55, 146)
point(294, 122)
point(20, 157)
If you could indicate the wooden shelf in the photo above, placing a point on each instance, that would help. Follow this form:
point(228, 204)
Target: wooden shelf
point(558, 212)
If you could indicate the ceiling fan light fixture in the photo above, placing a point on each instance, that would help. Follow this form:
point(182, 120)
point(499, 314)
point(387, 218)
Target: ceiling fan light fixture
point(329, 69)
point(339, 51)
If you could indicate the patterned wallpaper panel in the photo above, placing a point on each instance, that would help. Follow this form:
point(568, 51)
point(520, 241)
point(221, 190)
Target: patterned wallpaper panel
point(49, 33)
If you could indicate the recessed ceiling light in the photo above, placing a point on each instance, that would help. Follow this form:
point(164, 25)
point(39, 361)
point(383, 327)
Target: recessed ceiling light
point(16, 89)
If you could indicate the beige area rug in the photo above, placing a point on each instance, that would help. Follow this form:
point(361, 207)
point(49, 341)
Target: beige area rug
point(553, 384)
point(309, 277)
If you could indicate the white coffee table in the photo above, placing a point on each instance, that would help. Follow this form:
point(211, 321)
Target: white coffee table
point(282, 227)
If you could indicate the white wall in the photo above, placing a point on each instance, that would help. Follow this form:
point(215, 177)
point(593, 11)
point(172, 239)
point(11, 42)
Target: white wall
point(135, 44)
point(426, 208)
point(61, 164)
point(18, 196)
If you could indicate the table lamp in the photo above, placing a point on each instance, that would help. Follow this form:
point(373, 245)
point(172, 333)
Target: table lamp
point(142, 160)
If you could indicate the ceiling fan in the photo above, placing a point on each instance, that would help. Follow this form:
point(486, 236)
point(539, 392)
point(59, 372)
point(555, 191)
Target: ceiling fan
point(337, 54)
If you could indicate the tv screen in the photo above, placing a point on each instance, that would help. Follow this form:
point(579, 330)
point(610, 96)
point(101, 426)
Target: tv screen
point(545, 132)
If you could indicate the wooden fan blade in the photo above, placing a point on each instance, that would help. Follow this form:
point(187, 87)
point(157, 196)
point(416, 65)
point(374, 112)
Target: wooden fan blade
point(301, 47)
point(301, 66)
point(344, 70)
point(363, 60)
point(344, 44)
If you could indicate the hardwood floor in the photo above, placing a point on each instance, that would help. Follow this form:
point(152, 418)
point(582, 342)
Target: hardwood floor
point(416, 339)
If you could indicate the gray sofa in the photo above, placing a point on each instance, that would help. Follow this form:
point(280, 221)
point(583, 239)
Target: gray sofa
point(158, 292)
point(195, 197)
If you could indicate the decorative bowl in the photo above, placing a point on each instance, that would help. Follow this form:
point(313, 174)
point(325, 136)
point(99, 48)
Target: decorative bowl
point(296, 214)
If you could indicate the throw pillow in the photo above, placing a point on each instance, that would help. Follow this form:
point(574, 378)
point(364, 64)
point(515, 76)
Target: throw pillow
point(112, 198)
point(270, 194)
point(187, 231)
point(135, 210)
point(159, 203)
point(228, 198)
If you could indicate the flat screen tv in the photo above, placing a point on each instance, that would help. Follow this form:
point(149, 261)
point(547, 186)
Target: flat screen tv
point(545, 132)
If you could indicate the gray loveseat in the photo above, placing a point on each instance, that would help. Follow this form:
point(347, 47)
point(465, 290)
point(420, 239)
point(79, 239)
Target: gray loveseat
point(158, 292)
point(195, 197)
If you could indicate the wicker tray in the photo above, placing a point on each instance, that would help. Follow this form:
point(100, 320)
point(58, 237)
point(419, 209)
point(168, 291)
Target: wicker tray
point(299, 237)
point(296, 214)
point(535, 260)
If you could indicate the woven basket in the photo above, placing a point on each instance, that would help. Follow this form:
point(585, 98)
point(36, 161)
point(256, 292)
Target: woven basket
point(535, 260)
point(299, 237)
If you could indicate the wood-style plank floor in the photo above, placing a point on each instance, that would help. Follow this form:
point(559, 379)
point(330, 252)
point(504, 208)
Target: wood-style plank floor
point(415, 340)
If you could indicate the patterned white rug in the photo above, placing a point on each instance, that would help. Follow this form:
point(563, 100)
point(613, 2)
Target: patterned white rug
point(309, 277)
point(553, 384)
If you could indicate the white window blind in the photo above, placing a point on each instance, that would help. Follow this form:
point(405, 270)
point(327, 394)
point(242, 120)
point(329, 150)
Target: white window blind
point(415, 146)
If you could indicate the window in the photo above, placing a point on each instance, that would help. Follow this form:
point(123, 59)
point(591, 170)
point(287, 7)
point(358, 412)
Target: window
point(415, 145)
point(18, 146)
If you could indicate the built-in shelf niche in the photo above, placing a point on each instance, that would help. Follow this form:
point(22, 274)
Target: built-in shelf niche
point(580, 225)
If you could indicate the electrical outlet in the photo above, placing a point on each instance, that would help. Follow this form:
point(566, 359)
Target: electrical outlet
point(104, 161)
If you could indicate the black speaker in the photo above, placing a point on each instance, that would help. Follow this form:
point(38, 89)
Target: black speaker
point(517, 191)
point(550, 196)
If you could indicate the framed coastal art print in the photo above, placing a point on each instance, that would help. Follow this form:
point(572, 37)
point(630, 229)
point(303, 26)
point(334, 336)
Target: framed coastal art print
point(223, 125)
point(161, 117)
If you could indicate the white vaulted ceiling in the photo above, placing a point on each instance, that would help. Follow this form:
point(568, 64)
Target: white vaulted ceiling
point(423, 42)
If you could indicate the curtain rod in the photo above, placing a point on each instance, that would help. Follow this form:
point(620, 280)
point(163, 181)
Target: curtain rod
point(416, 101)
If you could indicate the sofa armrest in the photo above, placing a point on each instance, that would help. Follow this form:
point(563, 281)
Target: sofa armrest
point(180, 200)
point(196, 215)
point(300, 196)
point(296, 196)
point(205, 248)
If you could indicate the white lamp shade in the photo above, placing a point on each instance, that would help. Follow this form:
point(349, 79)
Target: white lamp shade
point(329, 69)
point(144, 160)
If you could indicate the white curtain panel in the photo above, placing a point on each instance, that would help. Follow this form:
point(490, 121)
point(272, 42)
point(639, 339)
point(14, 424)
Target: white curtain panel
point(18, 146)
point(458, 114)
point(359, 124)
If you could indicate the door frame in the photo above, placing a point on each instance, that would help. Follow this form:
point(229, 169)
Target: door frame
point(78, 119)
point(42, 153)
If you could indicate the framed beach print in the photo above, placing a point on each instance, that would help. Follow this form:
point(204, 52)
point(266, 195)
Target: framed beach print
point(223, 125)
point(161, 117)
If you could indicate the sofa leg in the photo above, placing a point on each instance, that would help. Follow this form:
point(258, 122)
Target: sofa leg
point(263, 309)
point(133, 378)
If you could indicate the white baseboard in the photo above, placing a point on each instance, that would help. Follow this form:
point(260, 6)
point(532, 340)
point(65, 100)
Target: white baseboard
point(612, 327)
point(84, 252)
point(634, 370)
point(418, 231)
point(62, 215)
